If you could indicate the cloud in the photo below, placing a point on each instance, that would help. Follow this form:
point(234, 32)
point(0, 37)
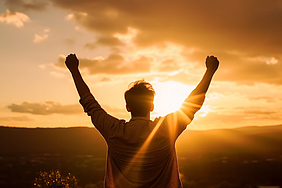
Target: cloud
point(40, 38)
point(114, 64)
point(26, 5)
point(15, 118)
point(264, 98)
point(46, 108)
point(208, 24)
point(90, 45)
point(14, 18)
point(237, 117)
point(69, 41)
point(243, 68)
point(181, 77)
point(117, 112)
point(258, 113)
point(168, 66)
point(249, 28)
point(50, 108)
point(252, 71)
point(105, 79)
point(104, 41)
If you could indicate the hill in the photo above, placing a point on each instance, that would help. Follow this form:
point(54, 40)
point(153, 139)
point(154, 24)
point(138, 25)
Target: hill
point(78, 140)
point(261, 141)
point(242, 156)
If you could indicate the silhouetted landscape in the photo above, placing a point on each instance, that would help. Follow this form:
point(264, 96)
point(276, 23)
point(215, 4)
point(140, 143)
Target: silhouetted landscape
point(241, 157)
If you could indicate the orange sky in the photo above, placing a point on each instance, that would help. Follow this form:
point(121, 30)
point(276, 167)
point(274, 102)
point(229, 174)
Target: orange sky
point(117, 42)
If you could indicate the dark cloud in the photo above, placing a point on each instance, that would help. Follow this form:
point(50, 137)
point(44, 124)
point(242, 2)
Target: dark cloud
point(243, 68)
point(247, 28)
point(104, 41)
point(223, 25)
point(46, 108)
point(26, 5)
point(108, 41)
point(114, 64)
point(251, 72)
point(250, 26)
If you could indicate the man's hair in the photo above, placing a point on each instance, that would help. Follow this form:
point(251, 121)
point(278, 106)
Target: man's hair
point(139, 98)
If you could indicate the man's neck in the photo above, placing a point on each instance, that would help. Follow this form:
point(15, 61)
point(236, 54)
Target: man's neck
point(147, 117)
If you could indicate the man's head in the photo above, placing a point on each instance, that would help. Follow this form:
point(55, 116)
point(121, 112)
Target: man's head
point(140, 98)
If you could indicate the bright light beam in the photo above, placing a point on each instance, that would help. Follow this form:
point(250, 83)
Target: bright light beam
point(194, 103)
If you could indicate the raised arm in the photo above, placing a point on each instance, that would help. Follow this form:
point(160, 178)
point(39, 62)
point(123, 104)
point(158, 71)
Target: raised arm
point(100, 119)
point(196, 99)
point(212, 65)
point(72, 63)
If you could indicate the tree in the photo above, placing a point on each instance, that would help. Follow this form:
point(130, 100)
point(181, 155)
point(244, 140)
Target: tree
point(54, 179)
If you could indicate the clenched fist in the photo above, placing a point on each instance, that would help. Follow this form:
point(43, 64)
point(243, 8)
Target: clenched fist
point(212, 63)
point(72, 62)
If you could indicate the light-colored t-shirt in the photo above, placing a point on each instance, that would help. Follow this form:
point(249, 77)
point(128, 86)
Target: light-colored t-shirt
point(141, 152)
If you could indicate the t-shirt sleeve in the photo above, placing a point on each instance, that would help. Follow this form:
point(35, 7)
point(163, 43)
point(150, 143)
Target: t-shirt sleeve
point(178, 121)
point(191, 105)
point(100, 118)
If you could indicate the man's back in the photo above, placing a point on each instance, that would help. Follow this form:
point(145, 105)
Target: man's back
point(142, 154)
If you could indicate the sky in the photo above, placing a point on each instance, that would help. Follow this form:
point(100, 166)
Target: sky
point(117, 42)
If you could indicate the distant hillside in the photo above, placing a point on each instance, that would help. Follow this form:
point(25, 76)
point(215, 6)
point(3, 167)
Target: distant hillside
point(51, 140)
point(261, 141)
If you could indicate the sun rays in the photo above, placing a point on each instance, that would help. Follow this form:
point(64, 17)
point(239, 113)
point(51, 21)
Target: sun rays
point(169, 96)
point(183, 115)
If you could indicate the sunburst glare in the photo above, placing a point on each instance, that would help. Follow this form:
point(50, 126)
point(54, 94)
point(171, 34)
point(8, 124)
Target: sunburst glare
point(169, 96)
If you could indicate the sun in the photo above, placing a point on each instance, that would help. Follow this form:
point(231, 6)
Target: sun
point(169, 96)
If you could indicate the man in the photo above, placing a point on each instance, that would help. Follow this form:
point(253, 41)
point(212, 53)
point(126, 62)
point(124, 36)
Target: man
point(141, 152)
